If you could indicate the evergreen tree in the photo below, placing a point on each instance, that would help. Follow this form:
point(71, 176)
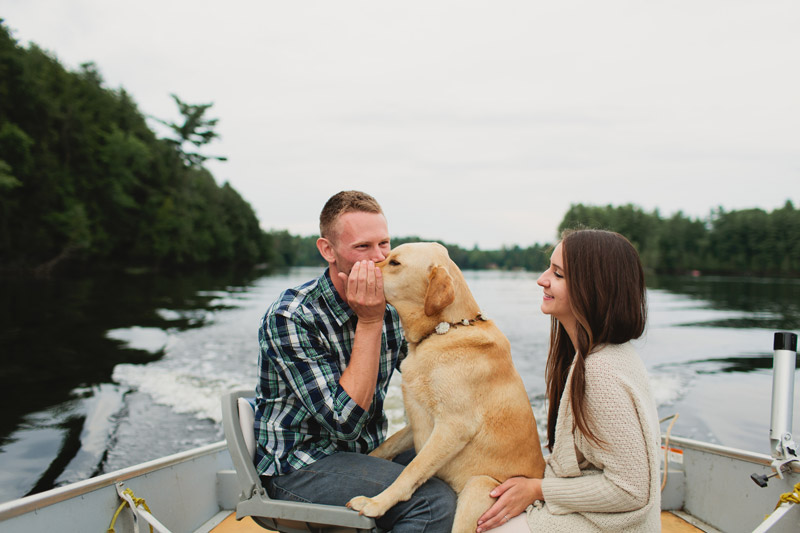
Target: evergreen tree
point(195, 130)
point(84, 181)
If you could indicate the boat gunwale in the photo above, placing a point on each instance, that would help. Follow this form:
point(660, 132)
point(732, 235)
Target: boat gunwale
point(44, 499)
point(725, 451)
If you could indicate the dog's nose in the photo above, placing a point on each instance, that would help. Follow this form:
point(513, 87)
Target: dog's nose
point(381, 264)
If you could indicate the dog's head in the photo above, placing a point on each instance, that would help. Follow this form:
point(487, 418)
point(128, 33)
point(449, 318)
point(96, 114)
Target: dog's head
point(425, 285)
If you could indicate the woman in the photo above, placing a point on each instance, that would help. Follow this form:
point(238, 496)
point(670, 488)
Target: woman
point(603, 470)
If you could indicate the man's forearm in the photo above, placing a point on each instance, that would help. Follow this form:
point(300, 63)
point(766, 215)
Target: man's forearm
point(361, 375)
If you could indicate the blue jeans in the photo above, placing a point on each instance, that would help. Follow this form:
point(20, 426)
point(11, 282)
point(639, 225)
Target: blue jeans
point(338, 478)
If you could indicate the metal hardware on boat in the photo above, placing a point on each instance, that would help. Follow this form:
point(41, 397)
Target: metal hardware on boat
point(762, 480)
point(780, 430)
point(782, 444)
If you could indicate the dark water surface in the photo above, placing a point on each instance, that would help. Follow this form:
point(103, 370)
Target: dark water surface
point(104, 372)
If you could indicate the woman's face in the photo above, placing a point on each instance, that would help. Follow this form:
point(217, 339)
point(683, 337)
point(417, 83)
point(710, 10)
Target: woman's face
point(556, 296)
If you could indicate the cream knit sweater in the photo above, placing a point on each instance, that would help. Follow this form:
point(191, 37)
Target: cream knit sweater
point(616, 487)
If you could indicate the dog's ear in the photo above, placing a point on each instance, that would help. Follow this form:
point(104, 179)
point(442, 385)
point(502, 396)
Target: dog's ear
point(440, 292)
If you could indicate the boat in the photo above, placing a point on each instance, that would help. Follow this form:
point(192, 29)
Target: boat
point(706, 487)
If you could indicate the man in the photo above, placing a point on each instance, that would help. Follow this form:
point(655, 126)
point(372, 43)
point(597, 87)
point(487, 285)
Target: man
point(327, 352)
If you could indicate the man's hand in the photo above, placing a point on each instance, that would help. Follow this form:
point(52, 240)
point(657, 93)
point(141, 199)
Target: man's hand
point(364, 288)
point(364, 291)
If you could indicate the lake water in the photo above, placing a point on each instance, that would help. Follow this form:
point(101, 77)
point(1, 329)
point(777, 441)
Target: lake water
point(105, 372)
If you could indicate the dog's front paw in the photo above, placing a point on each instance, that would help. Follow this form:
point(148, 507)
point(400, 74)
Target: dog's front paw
point(366, 506)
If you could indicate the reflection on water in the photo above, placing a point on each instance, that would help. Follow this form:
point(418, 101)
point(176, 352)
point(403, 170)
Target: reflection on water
point(763, 302)
point(61, 341)
point(714, 336)
point(732, 364)
point(104, 372)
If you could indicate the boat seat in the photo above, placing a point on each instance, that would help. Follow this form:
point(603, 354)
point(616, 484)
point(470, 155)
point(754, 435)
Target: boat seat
point(238, 415)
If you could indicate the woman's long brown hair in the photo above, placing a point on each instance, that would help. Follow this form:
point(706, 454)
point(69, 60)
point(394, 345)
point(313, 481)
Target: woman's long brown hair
point(605, 283)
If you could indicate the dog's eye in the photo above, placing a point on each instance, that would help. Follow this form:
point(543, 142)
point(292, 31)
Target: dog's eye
point(394, 262)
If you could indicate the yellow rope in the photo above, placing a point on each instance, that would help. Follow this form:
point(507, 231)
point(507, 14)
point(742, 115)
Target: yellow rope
point(136, 501)
point(791, 497)
point(114, 520)
point(666, 447)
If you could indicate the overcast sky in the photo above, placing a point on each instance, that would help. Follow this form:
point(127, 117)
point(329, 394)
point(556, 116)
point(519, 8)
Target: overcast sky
point(473, 122)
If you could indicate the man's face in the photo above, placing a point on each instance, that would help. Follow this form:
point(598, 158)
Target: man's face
point(359, 236)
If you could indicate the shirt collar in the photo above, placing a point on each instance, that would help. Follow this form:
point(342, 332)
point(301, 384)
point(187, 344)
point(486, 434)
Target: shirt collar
point(340, 311)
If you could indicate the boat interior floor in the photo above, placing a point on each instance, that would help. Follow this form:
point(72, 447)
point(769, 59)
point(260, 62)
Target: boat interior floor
point(245, 525)
point(670, 523)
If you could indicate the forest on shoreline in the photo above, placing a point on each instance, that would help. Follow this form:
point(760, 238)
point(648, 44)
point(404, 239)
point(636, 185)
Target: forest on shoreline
point(85, 184)
point(743, 242)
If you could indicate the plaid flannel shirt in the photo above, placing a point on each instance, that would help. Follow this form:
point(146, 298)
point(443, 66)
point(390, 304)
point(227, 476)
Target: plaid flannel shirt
point(302, 413)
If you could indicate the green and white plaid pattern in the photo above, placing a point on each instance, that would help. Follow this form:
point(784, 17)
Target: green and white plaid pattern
point(302, 414)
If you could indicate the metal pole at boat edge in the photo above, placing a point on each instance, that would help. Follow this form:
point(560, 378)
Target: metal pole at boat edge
point(783, 367)
point(781, 443)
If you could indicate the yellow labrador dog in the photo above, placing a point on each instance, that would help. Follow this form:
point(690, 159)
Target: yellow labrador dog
point(469, 417)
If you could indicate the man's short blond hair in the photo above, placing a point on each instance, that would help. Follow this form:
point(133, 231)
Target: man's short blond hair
point(341, 203)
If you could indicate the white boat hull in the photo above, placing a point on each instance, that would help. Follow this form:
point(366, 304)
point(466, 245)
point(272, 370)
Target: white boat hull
point(712, 484)
point(195, 490)
point(185, 492)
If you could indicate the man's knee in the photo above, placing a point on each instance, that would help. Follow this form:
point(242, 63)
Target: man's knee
point(441, 497)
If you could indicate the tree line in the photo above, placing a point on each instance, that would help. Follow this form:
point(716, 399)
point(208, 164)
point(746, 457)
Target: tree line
point(84, 181)
point(747, 241)
point(292, 250)
point(750, 241)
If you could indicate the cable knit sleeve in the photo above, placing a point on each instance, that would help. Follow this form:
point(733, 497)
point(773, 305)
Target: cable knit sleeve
point(615, 475)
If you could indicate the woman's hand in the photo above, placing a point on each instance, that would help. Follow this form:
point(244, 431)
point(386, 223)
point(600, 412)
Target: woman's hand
point(513, 497)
